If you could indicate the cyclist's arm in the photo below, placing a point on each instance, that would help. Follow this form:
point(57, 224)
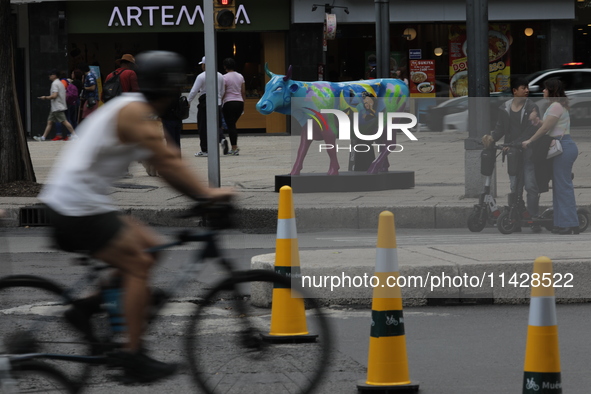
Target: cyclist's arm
point(137, 126)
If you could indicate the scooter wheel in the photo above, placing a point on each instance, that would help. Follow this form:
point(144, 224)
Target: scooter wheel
point(506, 224)
point(583, 219)
point(475, 221)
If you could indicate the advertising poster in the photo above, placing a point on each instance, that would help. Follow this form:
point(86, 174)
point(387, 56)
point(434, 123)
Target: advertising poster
point(499, 42)
point(422, 78)
point(397, 60)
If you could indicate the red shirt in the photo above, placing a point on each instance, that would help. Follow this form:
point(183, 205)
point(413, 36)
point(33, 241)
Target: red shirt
point(128, 79)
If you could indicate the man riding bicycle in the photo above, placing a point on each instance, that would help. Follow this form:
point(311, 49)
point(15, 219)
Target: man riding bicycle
point(85, 218)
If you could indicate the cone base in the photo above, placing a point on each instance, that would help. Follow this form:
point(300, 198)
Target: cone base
point(363, 387)
point(289, 338)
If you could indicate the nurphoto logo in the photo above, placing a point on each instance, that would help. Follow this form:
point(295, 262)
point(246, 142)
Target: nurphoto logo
point(369, 129)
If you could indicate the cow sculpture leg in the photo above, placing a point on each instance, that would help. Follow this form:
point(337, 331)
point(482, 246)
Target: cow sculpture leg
point(381, 163)
point(329, 138)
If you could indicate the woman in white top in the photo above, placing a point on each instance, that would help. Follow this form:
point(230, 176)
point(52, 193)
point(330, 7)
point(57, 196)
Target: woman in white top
point(233, 102)
point(556, 124)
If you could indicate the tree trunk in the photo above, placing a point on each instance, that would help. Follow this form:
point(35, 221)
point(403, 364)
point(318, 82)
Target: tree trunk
point(15, 160)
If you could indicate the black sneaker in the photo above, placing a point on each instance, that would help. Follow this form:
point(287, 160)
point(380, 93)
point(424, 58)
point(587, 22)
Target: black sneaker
point(139, 368)
point(225, 147)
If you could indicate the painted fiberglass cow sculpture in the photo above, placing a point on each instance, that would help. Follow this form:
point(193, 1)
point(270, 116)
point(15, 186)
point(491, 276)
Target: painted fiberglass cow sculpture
point(344, 96)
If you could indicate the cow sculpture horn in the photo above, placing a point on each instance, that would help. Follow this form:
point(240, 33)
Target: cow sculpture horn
point(269, 73)
point(288, 74)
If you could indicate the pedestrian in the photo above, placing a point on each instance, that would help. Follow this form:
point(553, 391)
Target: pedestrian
point(85, 218)
point(127, 74)
point(59, 133)
point(89, 95)
point(199, 90)
point(172, 122)
point(57, 113)
point(556, 124)
point(76, 80)
point(127, 81)
point(233, 102)
point(515, 122)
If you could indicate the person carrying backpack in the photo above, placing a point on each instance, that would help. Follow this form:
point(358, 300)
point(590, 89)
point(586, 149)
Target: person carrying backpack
point(123, 79)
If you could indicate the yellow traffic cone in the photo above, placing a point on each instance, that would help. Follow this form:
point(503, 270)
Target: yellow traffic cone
point(387, 366)
point(542, 355)
point(288, 314)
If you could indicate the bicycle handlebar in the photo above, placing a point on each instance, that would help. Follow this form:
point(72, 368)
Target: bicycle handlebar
point(215, 214)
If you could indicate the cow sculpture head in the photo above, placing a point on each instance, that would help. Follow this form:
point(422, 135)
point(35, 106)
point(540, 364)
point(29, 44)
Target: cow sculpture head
point(278, 93)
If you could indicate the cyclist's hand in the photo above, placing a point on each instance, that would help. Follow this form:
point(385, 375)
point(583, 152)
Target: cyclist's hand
point(525, 143)
point(487, 140)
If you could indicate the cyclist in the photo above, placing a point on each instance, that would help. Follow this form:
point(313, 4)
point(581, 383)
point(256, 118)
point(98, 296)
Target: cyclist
point(84, 216)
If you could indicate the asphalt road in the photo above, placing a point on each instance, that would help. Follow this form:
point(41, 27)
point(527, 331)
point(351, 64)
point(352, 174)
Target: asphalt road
point(451, 350)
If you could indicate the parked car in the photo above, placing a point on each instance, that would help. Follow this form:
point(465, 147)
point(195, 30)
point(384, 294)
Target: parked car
point(452, 114)
point(579, 102)
point(574, 79)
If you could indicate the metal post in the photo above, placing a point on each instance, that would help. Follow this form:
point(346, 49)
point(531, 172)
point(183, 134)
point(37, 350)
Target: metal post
point(211, 98)
point(478, 88)
point(382, 8)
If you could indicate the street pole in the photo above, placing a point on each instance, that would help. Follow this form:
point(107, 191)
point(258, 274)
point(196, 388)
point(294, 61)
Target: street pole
point(382, 8)
point(211, 98)
point(478, 89)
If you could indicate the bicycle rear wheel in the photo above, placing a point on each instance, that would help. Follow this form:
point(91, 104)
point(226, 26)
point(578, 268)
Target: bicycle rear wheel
point(223, 359)
point(31, 321)
point(39, 377)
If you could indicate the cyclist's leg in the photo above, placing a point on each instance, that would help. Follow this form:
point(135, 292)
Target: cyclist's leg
point(127, 252)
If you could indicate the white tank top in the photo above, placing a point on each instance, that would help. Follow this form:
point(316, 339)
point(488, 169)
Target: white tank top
point(79, 183)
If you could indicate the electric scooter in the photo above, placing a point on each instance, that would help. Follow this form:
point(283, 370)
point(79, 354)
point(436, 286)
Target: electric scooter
point(515, 215)
point(487, 210)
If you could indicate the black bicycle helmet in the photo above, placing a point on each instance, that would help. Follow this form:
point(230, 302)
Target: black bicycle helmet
point(160, 74)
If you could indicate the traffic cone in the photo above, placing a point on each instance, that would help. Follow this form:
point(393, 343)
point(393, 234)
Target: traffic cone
point(387, 366)
point(288, 314)
point(542, 355)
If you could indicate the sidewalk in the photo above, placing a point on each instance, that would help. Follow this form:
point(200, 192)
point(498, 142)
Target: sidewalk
point(436, 201)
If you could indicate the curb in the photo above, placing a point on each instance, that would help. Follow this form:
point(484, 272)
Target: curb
point(264, 220)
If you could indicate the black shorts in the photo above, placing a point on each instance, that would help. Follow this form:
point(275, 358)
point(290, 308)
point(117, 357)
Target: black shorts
point(84, 234)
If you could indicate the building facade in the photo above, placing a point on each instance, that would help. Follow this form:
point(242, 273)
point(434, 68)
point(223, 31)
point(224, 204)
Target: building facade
point(59, 34)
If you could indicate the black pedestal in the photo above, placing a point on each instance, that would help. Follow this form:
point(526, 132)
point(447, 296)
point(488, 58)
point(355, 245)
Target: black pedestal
point(346, 182)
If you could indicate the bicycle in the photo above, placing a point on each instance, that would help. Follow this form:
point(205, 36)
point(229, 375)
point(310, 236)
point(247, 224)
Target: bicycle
point(24, 374)
point(223, 321)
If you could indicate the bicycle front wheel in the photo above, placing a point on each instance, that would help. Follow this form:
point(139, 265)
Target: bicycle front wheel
point(226, 351)
point(39, 377)
point(32, 321)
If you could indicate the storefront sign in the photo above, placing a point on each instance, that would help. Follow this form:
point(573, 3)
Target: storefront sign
point(172, 16)
point(499, 41)
point(330, 26)
point(166, 15)
point(422, 78)
point(415, 54)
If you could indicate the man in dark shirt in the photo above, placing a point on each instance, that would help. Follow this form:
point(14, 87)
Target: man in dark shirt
point(515, 122)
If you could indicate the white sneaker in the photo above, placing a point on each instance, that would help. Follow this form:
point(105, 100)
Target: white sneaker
point(225, 147)
point(234, 152)
point(38, 138)
point(201, 154)
point(74, 137)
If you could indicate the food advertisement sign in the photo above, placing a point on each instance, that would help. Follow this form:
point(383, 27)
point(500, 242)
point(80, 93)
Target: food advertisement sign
point(499, 42)
point(422, 78)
